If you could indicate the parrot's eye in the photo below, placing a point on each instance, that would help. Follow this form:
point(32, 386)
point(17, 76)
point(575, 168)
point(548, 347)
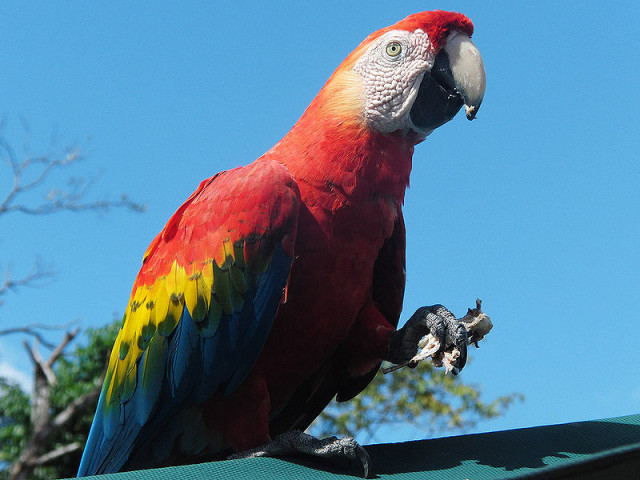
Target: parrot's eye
point(394, 49)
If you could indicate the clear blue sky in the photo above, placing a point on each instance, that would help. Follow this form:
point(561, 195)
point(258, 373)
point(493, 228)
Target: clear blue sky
point(534, 207)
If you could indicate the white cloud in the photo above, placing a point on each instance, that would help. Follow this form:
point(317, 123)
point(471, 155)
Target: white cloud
point(21, 378)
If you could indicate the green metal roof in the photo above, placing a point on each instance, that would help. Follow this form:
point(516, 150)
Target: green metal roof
point(587, 450)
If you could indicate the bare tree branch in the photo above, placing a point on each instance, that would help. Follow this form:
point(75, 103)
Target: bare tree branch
point(77, 407)
point(34, 330)
point(68, 203)
point(68, 337)
point(42, 368)
point(32, 172)
point(53, 455)
point(11, 284)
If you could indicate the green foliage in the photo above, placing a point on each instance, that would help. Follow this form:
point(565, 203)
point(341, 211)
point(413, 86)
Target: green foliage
point(14, 422)
point(423, 396)
point(77, 375)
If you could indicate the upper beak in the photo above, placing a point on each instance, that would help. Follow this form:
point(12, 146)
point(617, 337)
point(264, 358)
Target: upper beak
point(467, 69)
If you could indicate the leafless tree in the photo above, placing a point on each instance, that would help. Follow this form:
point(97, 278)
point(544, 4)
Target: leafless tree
point(30, 174)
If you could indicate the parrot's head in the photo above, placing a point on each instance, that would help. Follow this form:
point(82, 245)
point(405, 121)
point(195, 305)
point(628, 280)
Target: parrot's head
point(412, 76)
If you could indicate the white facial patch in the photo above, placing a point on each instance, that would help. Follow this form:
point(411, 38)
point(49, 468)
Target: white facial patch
point(391, 71)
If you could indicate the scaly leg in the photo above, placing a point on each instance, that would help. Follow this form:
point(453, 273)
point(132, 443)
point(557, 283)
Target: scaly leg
point(295, 441)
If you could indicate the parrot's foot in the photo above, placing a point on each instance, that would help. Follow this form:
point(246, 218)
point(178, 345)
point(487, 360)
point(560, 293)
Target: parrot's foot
point(295, 442)
point(435, 332)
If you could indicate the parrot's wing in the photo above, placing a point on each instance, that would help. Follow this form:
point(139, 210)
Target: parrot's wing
point(201, 307)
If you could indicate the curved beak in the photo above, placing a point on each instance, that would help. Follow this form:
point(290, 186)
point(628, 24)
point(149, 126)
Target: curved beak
point(467, 69)
point(456, 78)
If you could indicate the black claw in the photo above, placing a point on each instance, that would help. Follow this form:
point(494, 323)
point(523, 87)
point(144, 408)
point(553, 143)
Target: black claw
point(364, 458)
point(461, 342)
point(462, 359)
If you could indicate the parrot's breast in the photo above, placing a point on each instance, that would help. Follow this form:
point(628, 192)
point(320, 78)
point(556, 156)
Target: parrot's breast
point(330, 282)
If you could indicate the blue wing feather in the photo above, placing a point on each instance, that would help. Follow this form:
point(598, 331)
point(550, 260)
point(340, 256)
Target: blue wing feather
point(223, 360)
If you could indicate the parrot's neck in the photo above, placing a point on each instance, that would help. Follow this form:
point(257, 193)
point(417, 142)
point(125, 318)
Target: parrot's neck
point(331, 154)
point(331, 151)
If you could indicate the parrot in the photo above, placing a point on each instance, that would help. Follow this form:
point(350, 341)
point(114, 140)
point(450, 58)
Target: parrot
point(278, 286)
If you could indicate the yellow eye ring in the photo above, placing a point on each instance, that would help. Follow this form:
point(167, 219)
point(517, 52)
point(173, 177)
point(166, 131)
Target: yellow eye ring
point(394, 49)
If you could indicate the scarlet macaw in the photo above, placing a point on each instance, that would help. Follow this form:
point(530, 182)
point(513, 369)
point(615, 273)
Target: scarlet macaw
point(278, 286)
